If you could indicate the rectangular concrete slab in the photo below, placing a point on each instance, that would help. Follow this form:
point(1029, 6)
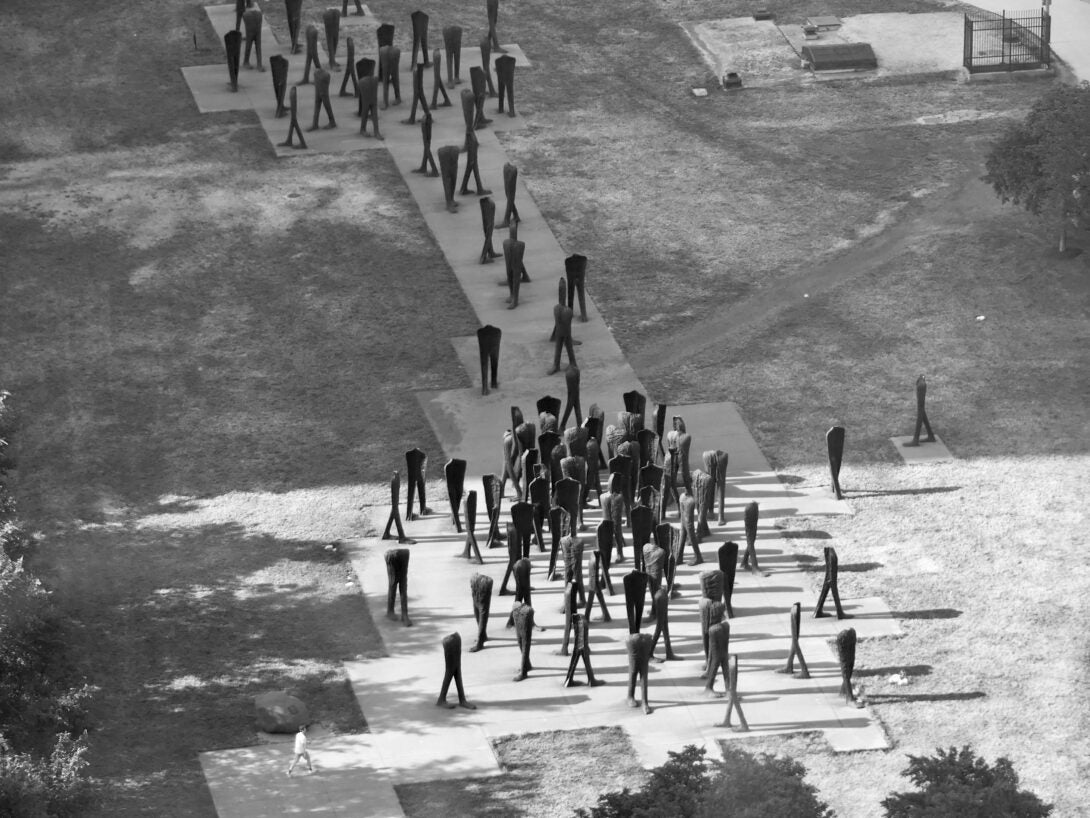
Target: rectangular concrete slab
point(755, 49)
point(924, 454)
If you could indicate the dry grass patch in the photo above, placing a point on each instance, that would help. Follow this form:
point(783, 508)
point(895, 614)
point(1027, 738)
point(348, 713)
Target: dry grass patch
point(545, 774)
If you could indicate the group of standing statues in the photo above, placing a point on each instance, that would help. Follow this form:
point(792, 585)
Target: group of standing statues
point(368, 76)
point(633, 470)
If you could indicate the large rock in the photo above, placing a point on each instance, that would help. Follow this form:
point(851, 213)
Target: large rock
point(278, 712)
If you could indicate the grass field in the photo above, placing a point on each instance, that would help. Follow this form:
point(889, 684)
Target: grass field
point(213, 354)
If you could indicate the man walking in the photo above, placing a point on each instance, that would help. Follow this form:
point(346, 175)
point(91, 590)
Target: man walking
point(300, 750)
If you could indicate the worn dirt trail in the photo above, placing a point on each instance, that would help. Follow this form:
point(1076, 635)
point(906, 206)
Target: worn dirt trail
point(955, 208)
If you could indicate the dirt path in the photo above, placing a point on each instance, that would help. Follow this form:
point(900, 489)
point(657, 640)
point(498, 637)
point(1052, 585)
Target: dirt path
point(958, 206)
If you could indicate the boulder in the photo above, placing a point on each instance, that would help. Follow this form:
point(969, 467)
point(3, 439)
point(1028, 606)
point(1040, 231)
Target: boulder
point(277, 712)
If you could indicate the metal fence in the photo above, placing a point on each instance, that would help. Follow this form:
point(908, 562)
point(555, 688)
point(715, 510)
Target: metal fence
point(1009, 41)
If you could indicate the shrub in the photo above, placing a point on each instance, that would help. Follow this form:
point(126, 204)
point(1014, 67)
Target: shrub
point(959, 783)
point(689, 785)
point(55, 787)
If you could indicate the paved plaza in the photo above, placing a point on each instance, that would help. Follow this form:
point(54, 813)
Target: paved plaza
point(410, 738)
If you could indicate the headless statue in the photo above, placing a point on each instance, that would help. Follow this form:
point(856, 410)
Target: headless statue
point(505, 82)
point(312, 54)
point(452, 655)
point(488, 223)
point(510, 181)
point(397, 575)
point(639, 647)
point(480, 588)
point(369, 105)
point(448, 169)
point(321, 99)
point(293, 124)
point(428, 160)
point(921, 410)
point(252, 18)
point(331, 19)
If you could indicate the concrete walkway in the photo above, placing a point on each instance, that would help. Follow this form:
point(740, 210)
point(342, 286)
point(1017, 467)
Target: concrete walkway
point(413, 740)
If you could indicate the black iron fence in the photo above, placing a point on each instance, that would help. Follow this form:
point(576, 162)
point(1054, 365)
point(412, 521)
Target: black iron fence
point(1009, 41)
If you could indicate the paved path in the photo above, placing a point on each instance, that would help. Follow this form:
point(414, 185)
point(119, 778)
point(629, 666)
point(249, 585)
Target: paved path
point(411, 738)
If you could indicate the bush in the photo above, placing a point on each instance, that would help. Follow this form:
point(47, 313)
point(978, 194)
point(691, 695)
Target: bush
point(959, 783)
point(35, 700)
point(689, 785)
point(51, 788)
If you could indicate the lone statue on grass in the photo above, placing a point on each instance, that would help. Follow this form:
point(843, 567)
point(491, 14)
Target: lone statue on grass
point(921, 414)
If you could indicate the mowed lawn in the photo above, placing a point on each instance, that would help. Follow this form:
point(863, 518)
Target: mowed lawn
point(214, 354)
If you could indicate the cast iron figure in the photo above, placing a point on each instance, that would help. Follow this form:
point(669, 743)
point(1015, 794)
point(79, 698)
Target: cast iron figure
point(331, 19)
point(513, 253)
point(416, 467)
point(437, 86)
point(845, 650)
point(279, 66)
point(486, 61)
point(581, 652)
point(479, 84)
point(448, 169)
point(661, 604)
point(471, 550)
point(728, 564)
point(420, 37)
point(635, 592)
point(734, 701)
point(232, 42)
point(604, 535)
point(575, 268)
point(795, 617)
point(751, 513)
point(397, 576)
point(428, 160)
point(493, 8)
point(452, 45)
point(312, 53)
point(639, 647)
point(488, 223)
point(251, 19)
point(834, 439)
point(389, 60)
point(321, 99)
point(480, 587)
point(921, 411)
point(452, 656)
point(294, 14)
point(524, 629)
point(349, 70)
point(830, 584)
point(510, 180)
point(395, 500)
point(571, 378)
point(687, 511)
point(369, 105)
point(562, 317)
point(505, 82)
point(418, 96)
point(454, 471)
point(488, 342)
point(718, 655)
point(471, 166)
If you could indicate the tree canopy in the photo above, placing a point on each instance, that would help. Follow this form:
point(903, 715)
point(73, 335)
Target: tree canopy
point(1043, 162)
point(959, 783)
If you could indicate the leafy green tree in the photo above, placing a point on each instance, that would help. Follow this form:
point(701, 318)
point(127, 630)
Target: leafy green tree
point(689, 785)
point(958, 784)
point(1043, 162)
point(55, 787)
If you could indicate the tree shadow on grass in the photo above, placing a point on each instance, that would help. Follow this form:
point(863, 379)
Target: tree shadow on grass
point(855, 494)
point(907, 670)
point(180, 629)
point(911, 698)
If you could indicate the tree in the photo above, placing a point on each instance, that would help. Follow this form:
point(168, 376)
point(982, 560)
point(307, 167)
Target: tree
point(959, 783)
point(1043, 162)
point(689, 785)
